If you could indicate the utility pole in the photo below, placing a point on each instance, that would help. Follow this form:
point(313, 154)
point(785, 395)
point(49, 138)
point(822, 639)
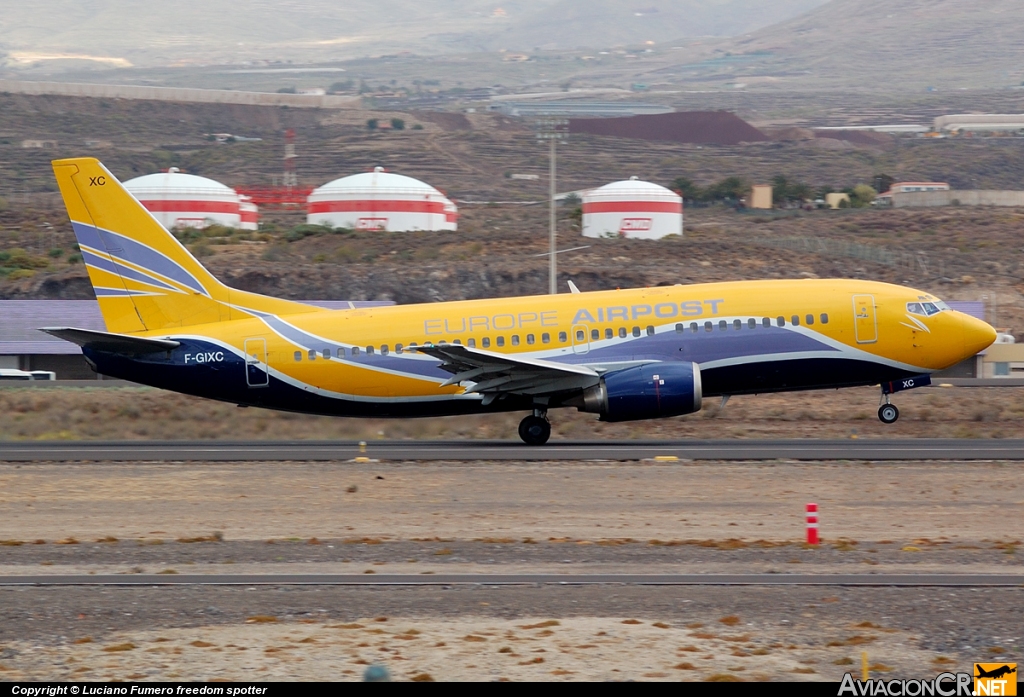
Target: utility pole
point(552, 130)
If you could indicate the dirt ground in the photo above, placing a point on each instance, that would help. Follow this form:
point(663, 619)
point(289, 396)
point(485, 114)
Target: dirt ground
point(130, 413)
point(407, 517)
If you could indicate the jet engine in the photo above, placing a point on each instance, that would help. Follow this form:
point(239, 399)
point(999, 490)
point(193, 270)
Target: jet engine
point(644, 392)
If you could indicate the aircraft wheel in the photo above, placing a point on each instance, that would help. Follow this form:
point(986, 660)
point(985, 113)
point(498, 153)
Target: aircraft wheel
point(888, 413)
point(534, 430)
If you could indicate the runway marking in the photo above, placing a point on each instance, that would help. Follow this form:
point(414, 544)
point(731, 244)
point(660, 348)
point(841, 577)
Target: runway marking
point(866, 579)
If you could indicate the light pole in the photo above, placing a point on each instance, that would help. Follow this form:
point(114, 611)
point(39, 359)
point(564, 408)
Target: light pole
point(552, 130)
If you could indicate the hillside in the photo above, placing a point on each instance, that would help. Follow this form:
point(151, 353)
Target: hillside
point(114, 33)
point(879, 44)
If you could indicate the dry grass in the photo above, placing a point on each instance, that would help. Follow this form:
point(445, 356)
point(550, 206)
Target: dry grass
point(88, 413)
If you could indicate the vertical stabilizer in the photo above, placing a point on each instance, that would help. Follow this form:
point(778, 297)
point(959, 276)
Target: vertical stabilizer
point(144, 278)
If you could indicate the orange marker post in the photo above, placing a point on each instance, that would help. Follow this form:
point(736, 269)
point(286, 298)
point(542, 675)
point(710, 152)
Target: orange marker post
point(812, 523)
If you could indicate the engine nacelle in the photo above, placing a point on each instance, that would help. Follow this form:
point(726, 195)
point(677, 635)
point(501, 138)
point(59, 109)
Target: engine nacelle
point(647, 391)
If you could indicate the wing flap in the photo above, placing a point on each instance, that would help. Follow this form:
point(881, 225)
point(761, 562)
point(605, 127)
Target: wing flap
point(492, 374)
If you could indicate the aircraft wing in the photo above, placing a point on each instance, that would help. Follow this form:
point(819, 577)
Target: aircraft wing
point(115, 343)
point(495, 374)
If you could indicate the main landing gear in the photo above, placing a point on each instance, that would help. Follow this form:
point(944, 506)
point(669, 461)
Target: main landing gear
point(535, 429)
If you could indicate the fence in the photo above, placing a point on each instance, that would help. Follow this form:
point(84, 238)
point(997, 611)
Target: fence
point(910, 261)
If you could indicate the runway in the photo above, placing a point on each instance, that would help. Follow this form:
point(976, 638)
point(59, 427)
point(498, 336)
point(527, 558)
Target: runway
point(862, 580)
point(466, 450)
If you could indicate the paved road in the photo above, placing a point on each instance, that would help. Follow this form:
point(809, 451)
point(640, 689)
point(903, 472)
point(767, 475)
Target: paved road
point(807, 449)
point(863, 579)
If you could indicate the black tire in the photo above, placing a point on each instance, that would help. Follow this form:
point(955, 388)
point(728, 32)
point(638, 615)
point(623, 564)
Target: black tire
point(888, 413)
point(534, 430)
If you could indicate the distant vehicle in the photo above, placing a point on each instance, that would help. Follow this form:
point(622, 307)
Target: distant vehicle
point(625, 355)
point(12, 374)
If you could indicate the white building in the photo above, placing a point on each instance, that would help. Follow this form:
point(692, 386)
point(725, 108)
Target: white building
point(185, 200)
point(379, 200)
point(632, 208)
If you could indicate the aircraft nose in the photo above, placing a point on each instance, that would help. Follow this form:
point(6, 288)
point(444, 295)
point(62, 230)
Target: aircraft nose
point(978, 335)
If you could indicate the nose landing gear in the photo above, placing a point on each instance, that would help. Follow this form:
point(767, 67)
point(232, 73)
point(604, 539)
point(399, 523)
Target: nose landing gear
point(888, 413)
point(535, 429)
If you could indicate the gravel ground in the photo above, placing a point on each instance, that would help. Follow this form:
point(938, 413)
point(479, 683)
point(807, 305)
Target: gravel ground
point(606, 632)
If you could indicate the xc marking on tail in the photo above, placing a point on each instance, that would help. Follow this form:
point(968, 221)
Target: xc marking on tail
point(98, 181)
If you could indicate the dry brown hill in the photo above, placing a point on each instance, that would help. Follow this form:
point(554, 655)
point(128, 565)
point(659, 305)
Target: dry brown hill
point(879, 44)
point(192, 32)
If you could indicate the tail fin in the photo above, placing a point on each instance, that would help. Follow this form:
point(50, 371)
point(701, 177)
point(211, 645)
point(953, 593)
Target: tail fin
point(145, 280)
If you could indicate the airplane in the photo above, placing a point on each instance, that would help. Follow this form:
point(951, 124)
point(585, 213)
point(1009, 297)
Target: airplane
point(625, 355)
point(995, 672)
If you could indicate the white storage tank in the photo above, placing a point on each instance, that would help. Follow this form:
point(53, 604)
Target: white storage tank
point(185, 200)
point(379, 200)
point(632, 208)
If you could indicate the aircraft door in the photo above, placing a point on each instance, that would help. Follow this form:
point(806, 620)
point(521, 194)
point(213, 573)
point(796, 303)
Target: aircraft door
point(256, 367)
point(865, 321)
point(580, 338)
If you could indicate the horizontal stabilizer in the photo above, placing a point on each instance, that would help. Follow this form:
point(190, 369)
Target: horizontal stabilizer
point(114, 343)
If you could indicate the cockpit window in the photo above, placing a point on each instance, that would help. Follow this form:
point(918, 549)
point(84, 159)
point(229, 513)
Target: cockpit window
point(926, 309)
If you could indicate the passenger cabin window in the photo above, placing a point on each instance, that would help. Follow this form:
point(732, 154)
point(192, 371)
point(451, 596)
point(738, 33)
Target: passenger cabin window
point(326, 353)
point(515, 339)
point(355, 351)
point(608, 333)
point(622, 332)
point(636, 331)
point(545, 338)
point(709, 326)
point(469, 342)
point(694, 327)
point(766, 322)
point(595, 334)
point(501, 341)
point(752, 323)
point(723, 325)
point(580, 335)
point(809, 319)
point(780, 321)
point(298, 356)
point(824, 318)
point(399, 348)
point(650, 330)
point(737, 324)
point(530, 340)
point(384, 350)
point(341, 352)
point(369, 350)
point(796, 320)
point(679, 329)
point(457, 342)
point(563, 337)
point(312, 354)
point(486, 342)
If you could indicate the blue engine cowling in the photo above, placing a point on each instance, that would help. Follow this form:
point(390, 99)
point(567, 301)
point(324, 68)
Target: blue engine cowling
point(647, 391)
